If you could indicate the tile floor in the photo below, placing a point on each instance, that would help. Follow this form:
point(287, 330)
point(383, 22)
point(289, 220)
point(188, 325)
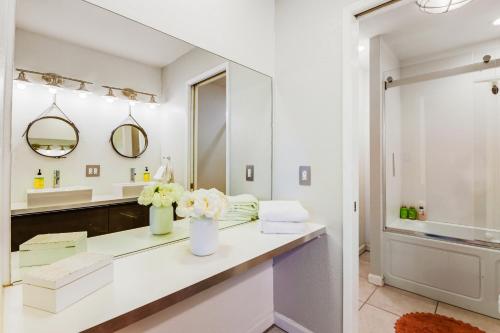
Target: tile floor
point(380, 307)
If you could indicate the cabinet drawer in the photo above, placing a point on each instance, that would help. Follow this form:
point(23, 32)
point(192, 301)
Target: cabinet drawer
point(92, 220)
point(128, 216)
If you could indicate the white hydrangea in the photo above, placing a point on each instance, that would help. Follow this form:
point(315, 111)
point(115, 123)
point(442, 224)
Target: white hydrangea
point(160, 195)
point(202, 203)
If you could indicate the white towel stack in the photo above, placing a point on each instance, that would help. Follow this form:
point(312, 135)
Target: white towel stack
point(282, 217)
point(242, 208)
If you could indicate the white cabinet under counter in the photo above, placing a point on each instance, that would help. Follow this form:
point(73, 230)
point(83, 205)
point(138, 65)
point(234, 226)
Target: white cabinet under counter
point(167, 285)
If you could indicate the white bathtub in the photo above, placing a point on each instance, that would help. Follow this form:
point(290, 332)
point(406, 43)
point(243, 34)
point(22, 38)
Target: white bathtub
point(444, 269)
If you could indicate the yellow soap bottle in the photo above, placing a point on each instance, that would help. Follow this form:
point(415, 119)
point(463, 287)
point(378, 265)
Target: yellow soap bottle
point(39, 181)
point(147, 175)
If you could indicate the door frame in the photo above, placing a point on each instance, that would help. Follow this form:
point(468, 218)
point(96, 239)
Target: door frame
point(191, 122)
point(350, 152)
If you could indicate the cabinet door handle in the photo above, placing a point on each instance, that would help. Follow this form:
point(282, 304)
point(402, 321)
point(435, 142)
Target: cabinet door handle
point(129, 215)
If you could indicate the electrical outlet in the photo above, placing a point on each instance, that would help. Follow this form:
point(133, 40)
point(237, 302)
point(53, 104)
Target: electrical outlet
point(249, 174)
point(92, 170)
point(305, 175)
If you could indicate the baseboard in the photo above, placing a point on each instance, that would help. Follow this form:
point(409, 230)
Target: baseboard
point(262, 324)
point(377, 280)
point(288, 324)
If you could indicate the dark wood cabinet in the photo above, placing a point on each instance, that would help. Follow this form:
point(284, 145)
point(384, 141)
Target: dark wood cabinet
point(125, 217)
point(95, 220)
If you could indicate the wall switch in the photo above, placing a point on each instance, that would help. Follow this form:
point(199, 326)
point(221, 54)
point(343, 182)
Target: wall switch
point(305, 175)
point(249, 173)
point(92, 170)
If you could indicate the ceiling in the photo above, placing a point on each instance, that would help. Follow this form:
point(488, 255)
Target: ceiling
point(89, 26)
point(410, 33)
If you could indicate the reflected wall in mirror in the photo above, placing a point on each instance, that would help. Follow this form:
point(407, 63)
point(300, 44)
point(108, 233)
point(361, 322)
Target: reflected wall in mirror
point(129, 140)
point(233, 125)
point(52, 136)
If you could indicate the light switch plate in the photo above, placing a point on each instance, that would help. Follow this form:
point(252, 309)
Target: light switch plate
point(92, 170)
point(305, 175)
point(249, 173)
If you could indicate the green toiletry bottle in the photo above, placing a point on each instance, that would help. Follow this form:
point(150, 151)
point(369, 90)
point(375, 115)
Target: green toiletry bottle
point(403, 212)
point(412, 213)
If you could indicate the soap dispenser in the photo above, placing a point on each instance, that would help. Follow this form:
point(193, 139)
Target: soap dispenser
point(39, 181)
point(147, 175)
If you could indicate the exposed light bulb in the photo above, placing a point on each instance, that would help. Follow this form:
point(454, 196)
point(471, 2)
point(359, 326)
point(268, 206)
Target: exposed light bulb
point(53, 90)
point(21, 85)
point(132, 102)
point(153, 105)
point(110, 99)
point(496, 22)
point(83, 94)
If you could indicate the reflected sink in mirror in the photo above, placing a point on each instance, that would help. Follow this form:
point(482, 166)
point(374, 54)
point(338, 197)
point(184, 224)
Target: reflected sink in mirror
point(129, 190)
point(58, 196)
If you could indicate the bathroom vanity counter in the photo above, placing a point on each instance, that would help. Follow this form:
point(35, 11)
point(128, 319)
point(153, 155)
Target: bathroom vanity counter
point(151, 281)
point(21, 208)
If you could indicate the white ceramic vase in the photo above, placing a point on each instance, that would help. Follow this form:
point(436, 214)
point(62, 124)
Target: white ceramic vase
point(161, 220)
point(204, 236)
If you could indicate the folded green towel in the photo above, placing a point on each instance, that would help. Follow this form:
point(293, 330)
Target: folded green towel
point(243, 207)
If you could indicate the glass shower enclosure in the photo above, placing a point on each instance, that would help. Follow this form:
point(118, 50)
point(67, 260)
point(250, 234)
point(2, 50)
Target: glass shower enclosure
point(442, 149)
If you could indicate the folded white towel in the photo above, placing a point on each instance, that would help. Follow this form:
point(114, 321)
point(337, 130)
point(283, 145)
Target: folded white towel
point(282, 211)
point(267, 227)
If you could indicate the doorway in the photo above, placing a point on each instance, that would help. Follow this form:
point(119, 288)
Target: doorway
point(398, 85)
point(209, 133)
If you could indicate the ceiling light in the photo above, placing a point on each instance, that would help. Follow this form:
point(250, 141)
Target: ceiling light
point(82, 91)
point(22, 80)
point(110, 96)
point(440, 6)
point(361, 48)
point(496, 22)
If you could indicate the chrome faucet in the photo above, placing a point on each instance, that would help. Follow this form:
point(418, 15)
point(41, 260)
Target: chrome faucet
point(56, 179)
point(132, 175)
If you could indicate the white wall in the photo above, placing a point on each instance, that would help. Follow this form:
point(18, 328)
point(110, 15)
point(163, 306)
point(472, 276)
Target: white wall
point(211, 164)
point(240, 30)
point(308, 120)
point(94, 117)
point(364, 156)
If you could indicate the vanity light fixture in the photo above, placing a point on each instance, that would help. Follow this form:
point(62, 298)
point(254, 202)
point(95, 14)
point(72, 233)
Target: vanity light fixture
point(82, 91)
point(22, 80)
point(440, 6)
point(131, 95)
point(52, 80)
point(110, 96)
point(152, 102)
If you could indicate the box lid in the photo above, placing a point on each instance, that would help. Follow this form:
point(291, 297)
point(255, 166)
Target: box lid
point(65, 271)
point(52, 241)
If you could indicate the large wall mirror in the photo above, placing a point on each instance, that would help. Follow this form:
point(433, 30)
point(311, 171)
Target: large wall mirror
point(205, 117)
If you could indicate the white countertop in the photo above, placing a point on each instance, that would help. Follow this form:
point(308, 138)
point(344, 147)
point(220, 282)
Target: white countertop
point(21, 208)
point(158, 273)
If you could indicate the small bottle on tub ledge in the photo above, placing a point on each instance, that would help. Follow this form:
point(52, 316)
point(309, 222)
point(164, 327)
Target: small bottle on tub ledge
point(403, 212)
point(412, 213)
point(422, 216)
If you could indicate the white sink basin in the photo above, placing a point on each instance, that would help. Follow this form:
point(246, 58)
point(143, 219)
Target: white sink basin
point(57, 196)
point(129, 190)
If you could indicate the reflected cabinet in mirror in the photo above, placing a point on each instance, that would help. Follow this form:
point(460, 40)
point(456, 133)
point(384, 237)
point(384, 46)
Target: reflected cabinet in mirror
point(52, 136)
point(153, 109)
point(129, 140)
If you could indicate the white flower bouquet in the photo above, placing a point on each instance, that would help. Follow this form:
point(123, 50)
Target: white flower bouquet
point(161, 195)
point(210, 204)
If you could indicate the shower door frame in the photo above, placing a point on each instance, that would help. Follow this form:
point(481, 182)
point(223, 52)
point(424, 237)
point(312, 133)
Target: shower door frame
point(471, 68)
